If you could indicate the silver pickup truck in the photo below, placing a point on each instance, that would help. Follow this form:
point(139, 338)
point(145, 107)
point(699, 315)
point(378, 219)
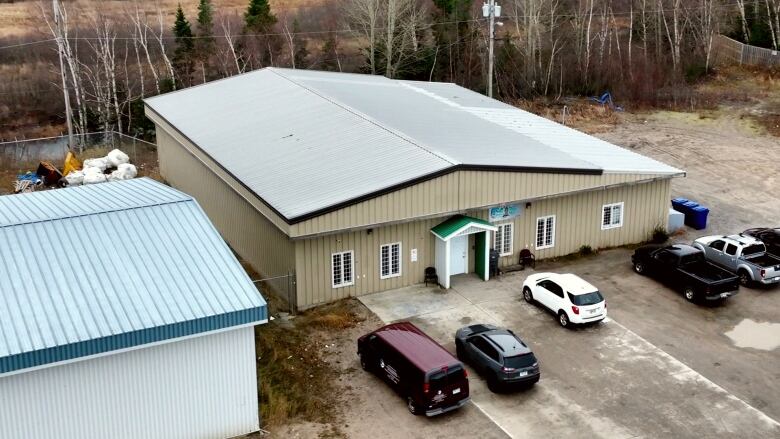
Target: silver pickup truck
point(743, 255)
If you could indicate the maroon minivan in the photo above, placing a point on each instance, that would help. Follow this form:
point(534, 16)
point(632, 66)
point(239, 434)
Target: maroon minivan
point(419, 369)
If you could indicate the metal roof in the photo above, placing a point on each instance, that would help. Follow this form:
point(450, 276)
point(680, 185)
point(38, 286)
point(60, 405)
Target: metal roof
point(305, 141)
point(455, 224)
point(416, 346)
point(91, 269)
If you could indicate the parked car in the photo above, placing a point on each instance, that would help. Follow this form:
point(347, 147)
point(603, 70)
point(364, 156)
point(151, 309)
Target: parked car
point(497, 354)
point(684, 268)
point(743, 255)
point(769, 236)
point(572, 299)
point(430, 379)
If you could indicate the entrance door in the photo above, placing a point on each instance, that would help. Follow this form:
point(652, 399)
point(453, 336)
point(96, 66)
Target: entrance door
point(458, 253)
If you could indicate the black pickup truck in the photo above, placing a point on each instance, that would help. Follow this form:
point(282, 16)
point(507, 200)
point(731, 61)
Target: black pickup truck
point(684, 268)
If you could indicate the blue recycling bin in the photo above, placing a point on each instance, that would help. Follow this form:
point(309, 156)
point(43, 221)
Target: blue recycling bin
point(687, 207)
point(678, 202)
point(697, 218)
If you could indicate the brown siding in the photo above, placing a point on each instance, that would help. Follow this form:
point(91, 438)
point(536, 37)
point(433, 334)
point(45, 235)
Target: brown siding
point(256, 239)
point(578, 222)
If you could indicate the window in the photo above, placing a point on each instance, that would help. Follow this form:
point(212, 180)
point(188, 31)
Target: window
point(390, 260)
point(545, 232)
point(665, 257)
point(611, 216)
point(718, 245)
point(731, 249)
point(503, 239)
point(485, 347)
point(586, 299)
point(342, 269)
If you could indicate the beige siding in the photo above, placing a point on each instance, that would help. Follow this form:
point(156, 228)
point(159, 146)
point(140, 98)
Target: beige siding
point(456, 192)
point(256, 239)
point(432, 197)
point(313, 261)
point(578, 222)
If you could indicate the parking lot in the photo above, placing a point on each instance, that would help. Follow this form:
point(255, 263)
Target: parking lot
point(658, 367)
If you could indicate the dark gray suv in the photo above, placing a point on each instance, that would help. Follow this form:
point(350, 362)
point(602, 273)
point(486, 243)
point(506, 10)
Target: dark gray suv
point(498, 355)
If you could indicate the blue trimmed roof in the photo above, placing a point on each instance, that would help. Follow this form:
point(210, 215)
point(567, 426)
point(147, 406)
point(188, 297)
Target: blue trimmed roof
point(92, 269)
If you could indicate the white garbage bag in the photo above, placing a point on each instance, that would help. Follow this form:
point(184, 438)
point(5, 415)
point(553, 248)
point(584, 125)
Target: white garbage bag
point(93, 175)
point(125, 171)
point(117, 157)
point(100, 163)
point(75, 178)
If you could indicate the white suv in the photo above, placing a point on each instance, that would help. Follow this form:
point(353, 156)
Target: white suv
point(572, 299)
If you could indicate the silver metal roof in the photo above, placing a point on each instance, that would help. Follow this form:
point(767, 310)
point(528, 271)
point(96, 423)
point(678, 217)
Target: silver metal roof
point(305, 140)
point(95, 263)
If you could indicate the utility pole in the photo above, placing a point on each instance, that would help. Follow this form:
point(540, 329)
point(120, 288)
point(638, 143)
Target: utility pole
point(60, 48)
point(491, 10)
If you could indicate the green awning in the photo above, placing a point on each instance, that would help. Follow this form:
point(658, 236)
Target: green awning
point(458, 223)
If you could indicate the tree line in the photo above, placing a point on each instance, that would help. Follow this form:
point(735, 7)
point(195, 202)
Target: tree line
point(638, 49)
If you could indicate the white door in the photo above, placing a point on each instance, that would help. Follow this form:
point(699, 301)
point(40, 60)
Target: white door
point(458, 252)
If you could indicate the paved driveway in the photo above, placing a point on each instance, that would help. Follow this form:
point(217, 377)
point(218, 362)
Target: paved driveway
point(598, 381)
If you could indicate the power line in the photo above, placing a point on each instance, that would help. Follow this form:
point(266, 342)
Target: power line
point(514, 17)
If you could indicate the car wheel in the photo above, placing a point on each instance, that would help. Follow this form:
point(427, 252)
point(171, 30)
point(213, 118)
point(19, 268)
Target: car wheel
point(363, 363)
point(744, 278)
point(411, 406)
point(563, 319)
point(459, 352)
point(527, 295)
point(639, 267)
point(492, 383)
point(690, 294)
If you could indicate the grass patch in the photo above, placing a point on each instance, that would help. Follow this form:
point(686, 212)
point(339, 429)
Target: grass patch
point(295, 381)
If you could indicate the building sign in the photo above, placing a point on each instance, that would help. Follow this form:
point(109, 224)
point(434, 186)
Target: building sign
point(505, 212)
point(414, 255)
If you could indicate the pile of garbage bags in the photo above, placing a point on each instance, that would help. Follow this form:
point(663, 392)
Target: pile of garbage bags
point(114, 166)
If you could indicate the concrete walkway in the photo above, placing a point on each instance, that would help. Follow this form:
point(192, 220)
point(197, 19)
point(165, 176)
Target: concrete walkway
point(597, 381)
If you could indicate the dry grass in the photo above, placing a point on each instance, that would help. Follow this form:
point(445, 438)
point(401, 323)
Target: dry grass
point(581, 114)
point(296, 383)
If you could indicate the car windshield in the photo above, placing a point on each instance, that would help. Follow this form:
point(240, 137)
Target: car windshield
point(692, 258)
point(753, 249)
point(586, 299)
point(519, 361)
point(439, 379)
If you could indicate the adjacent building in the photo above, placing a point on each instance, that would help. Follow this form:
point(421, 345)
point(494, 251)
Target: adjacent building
point(123, 314)
point(357, 183)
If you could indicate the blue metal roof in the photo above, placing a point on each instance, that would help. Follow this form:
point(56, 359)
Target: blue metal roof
point(91, 269)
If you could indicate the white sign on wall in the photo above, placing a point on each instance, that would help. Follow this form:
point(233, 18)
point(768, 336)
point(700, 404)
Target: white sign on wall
point(414, 255)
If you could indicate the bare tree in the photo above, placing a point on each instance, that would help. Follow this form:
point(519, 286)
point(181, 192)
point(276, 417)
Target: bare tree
point(364, 17)
point(676, 34)
point(743, 20)
point(140, 34)
point(230, 41)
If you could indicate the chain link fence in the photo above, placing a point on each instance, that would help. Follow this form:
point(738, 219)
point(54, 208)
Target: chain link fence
point(20, 156)
point(282, 287)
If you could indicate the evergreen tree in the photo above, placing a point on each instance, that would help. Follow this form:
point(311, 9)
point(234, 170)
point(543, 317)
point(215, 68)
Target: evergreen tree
point(204, 44)
point(330, 61)
point(301, 51)
point(182, 31)
point(258, 16)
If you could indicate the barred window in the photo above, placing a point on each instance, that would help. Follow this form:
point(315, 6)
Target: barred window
point(502, 240)
point(390, 260)
point(611, 216)
point(342, 269)
point(545, 232)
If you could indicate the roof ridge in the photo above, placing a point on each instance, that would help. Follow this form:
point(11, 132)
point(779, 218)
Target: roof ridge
point(368, 118)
